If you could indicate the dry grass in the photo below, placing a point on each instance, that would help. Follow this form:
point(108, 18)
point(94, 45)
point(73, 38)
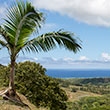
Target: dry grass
point(74, 96)
point(7, 105)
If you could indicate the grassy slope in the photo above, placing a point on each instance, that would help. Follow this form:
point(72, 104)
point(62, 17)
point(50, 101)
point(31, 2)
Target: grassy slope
point(7, 105)
point(74, 96)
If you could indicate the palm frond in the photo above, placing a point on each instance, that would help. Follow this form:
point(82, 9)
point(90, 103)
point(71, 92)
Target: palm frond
point(48, 41)
point(22, 21)
point(2, 43)
point(6, 37)
point(4, 34)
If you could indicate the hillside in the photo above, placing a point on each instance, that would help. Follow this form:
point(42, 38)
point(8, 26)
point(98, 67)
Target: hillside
point(75, 96)
point(72, 96)
point(7, 105)
point(51, 92)
point(87, 93)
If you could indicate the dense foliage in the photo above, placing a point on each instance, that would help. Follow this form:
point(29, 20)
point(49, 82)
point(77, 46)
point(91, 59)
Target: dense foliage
point(40, 89)
point(82, 81)
point(22, 21)
point(94, 85)
point(91, 103)
point(99, 89)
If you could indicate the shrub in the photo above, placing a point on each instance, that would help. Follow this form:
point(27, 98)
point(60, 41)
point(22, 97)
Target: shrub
point(74, 89)
point(41, 90)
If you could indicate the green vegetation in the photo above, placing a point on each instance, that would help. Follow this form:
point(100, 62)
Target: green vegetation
point(74, 89)
point(82, 88)
point(29, 78)
point(7, 105)
point(39, 89)
point(22, 22)
point(56, 94)
point(94, 85)
point(91, 103)
point(44, 91)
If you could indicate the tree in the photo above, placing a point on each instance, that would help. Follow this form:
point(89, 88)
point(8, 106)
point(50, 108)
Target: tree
point(40, 89)
point(22, 22)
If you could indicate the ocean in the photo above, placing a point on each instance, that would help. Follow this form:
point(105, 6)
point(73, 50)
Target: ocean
point(69, 73)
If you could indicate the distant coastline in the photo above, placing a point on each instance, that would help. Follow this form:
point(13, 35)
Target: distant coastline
point(78, 73)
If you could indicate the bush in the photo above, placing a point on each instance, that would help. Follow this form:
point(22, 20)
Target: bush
point(41, 90)
point(74, 89)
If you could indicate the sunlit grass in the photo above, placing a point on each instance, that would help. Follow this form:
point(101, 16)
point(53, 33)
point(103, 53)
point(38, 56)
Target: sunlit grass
point(7, 105)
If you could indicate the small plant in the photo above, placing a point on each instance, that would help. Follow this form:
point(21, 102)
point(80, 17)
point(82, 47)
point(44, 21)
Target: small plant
point(74, 89)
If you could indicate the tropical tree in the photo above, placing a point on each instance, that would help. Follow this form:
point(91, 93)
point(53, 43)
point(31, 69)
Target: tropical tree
point(39, 89)
point(21, 23)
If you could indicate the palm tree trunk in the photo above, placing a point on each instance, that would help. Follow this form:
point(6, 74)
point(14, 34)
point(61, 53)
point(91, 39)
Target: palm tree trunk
point(12, 90)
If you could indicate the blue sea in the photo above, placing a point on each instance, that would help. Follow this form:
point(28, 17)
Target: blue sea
point(69, 73)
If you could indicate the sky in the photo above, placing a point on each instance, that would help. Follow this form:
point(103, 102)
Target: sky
point(88, 19)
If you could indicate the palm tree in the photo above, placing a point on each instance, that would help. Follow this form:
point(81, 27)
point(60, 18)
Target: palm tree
point(22, 21)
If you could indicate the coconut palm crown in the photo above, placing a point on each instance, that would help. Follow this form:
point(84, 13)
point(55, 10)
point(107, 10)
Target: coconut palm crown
point(22, 21)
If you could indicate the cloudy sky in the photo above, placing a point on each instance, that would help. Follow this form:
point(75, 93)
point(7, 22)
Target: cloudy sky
point(88, 19)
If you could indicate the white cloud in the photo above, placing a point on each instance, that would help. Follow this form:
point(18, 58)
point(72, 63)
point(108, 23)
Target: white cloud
point(49, 62)
point(95, 12)
point(35, 58)
point(54, 59)
point(83, 58)
point(68, 59)
point(106, 56)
